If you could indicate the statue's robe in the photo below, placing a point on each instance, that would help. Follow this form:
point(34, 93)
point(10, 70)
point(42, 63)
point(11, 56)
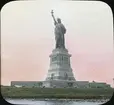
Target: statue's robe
point(59, 35)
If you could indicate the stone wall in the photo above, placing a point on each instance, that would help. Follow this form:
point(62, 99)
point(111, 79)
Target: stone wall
point(60, 84)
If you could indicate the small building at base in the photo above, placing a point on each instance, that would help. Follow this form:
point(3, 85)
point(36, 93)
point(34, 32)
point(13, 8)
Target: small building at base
point(59, 84)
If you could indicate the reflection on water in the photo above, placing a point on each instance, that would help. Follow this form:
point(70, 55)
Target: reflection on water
point(59, 102)
point(54, 102)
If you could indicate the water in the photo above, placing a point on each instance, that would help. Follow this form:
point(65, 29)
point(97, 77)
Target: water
point(55, 102)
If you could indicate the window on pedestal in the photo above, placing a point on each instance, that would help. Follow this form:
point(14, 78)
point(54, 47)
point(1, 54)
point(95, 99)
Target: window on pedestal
point(59, 57)
point(52, 76)
point(66, 59)
point(62, 58)
point(66, 76)
point(54, 58)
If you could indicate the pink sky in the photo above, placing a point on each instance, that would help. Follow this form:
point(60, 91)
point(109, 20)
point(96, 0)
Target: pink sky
point(27, 39)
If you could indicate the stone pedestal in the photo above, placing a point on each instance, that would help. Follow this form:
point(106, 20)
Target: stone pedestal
point(60, 68)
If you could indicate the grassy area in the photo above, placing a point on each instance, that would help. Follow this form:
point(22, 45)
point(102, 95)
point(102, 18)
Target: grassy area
point(71, 93)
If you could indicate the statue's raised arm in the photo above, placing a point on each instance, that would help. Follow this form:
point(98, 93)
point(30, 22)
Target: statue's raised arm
point(55, 22)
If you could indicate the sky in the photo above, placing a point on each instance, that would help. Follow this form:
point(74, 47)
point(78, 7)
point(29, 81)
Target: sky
point(27, 39)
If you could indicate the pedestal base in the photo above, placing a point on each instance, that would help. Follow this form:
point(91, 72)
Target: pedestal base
point(60, 71)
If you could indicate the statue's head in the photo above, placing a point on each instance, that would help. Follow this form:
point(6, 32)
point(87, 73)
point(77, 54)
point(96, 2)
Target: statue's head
point(58, 20)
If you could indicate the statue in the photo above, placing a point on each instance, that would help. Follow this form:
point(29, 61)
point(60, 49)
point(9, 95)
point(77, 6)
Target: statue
point(59, 32)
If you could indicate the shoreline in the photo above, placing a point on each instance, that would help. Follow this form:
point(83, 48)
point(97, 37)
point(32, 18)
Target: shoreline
point(61, 98)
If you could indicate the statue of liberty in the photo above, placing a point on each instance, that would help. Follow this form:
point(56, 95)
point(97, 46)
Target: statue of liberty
point(60, 30)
